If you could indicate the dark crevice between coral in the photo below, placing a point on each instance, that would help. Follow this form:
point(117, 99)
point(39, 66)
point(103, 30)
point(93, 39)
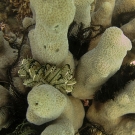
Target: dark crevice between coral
point(108, 91)
point(18, 109)
point(19, 100)
point(116, 83)
point(123, 18)
point(90, 128)
point(79, 42)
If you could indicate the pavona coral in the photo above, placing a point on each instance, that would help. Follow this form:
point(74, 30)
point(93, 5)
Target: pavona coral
point(69, 69)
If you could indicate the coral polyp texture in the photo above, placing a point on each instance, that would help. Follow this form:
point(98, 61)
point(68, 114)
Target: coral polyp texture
point(100, 63)
point(67, 67)
point(50, 34)
point(82, 15)
point(44, 101)
point(102, 14)
point(116, 113)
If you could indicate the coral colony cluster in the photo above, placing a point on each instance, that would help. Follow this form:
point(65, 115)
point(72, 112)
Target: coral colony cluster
point(67, 67)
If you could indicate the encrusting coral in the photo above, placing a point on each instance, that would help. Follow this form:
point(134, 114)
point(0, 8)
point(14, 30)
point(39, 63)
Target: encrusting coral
point(46, 104)
point(113, 44)
point(113, 114)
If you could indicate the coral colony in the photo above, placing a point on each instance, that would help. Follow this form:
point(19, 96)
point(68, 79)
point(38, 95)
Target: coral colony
point(67, 67)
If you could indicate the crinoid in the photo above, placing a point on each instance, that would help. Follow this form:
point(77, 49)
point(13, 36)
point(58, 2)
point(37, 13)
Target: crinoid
point(33, 73)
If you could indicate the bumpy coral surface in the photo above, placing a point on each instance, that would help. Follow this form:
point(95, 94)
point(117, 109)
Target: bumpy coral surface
point(50, 33)
point(45, 40)
point(113, 112)
point(54, 100)
point(82, 14)
point(103, 13)
point(46, 103)
point(101, 62)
